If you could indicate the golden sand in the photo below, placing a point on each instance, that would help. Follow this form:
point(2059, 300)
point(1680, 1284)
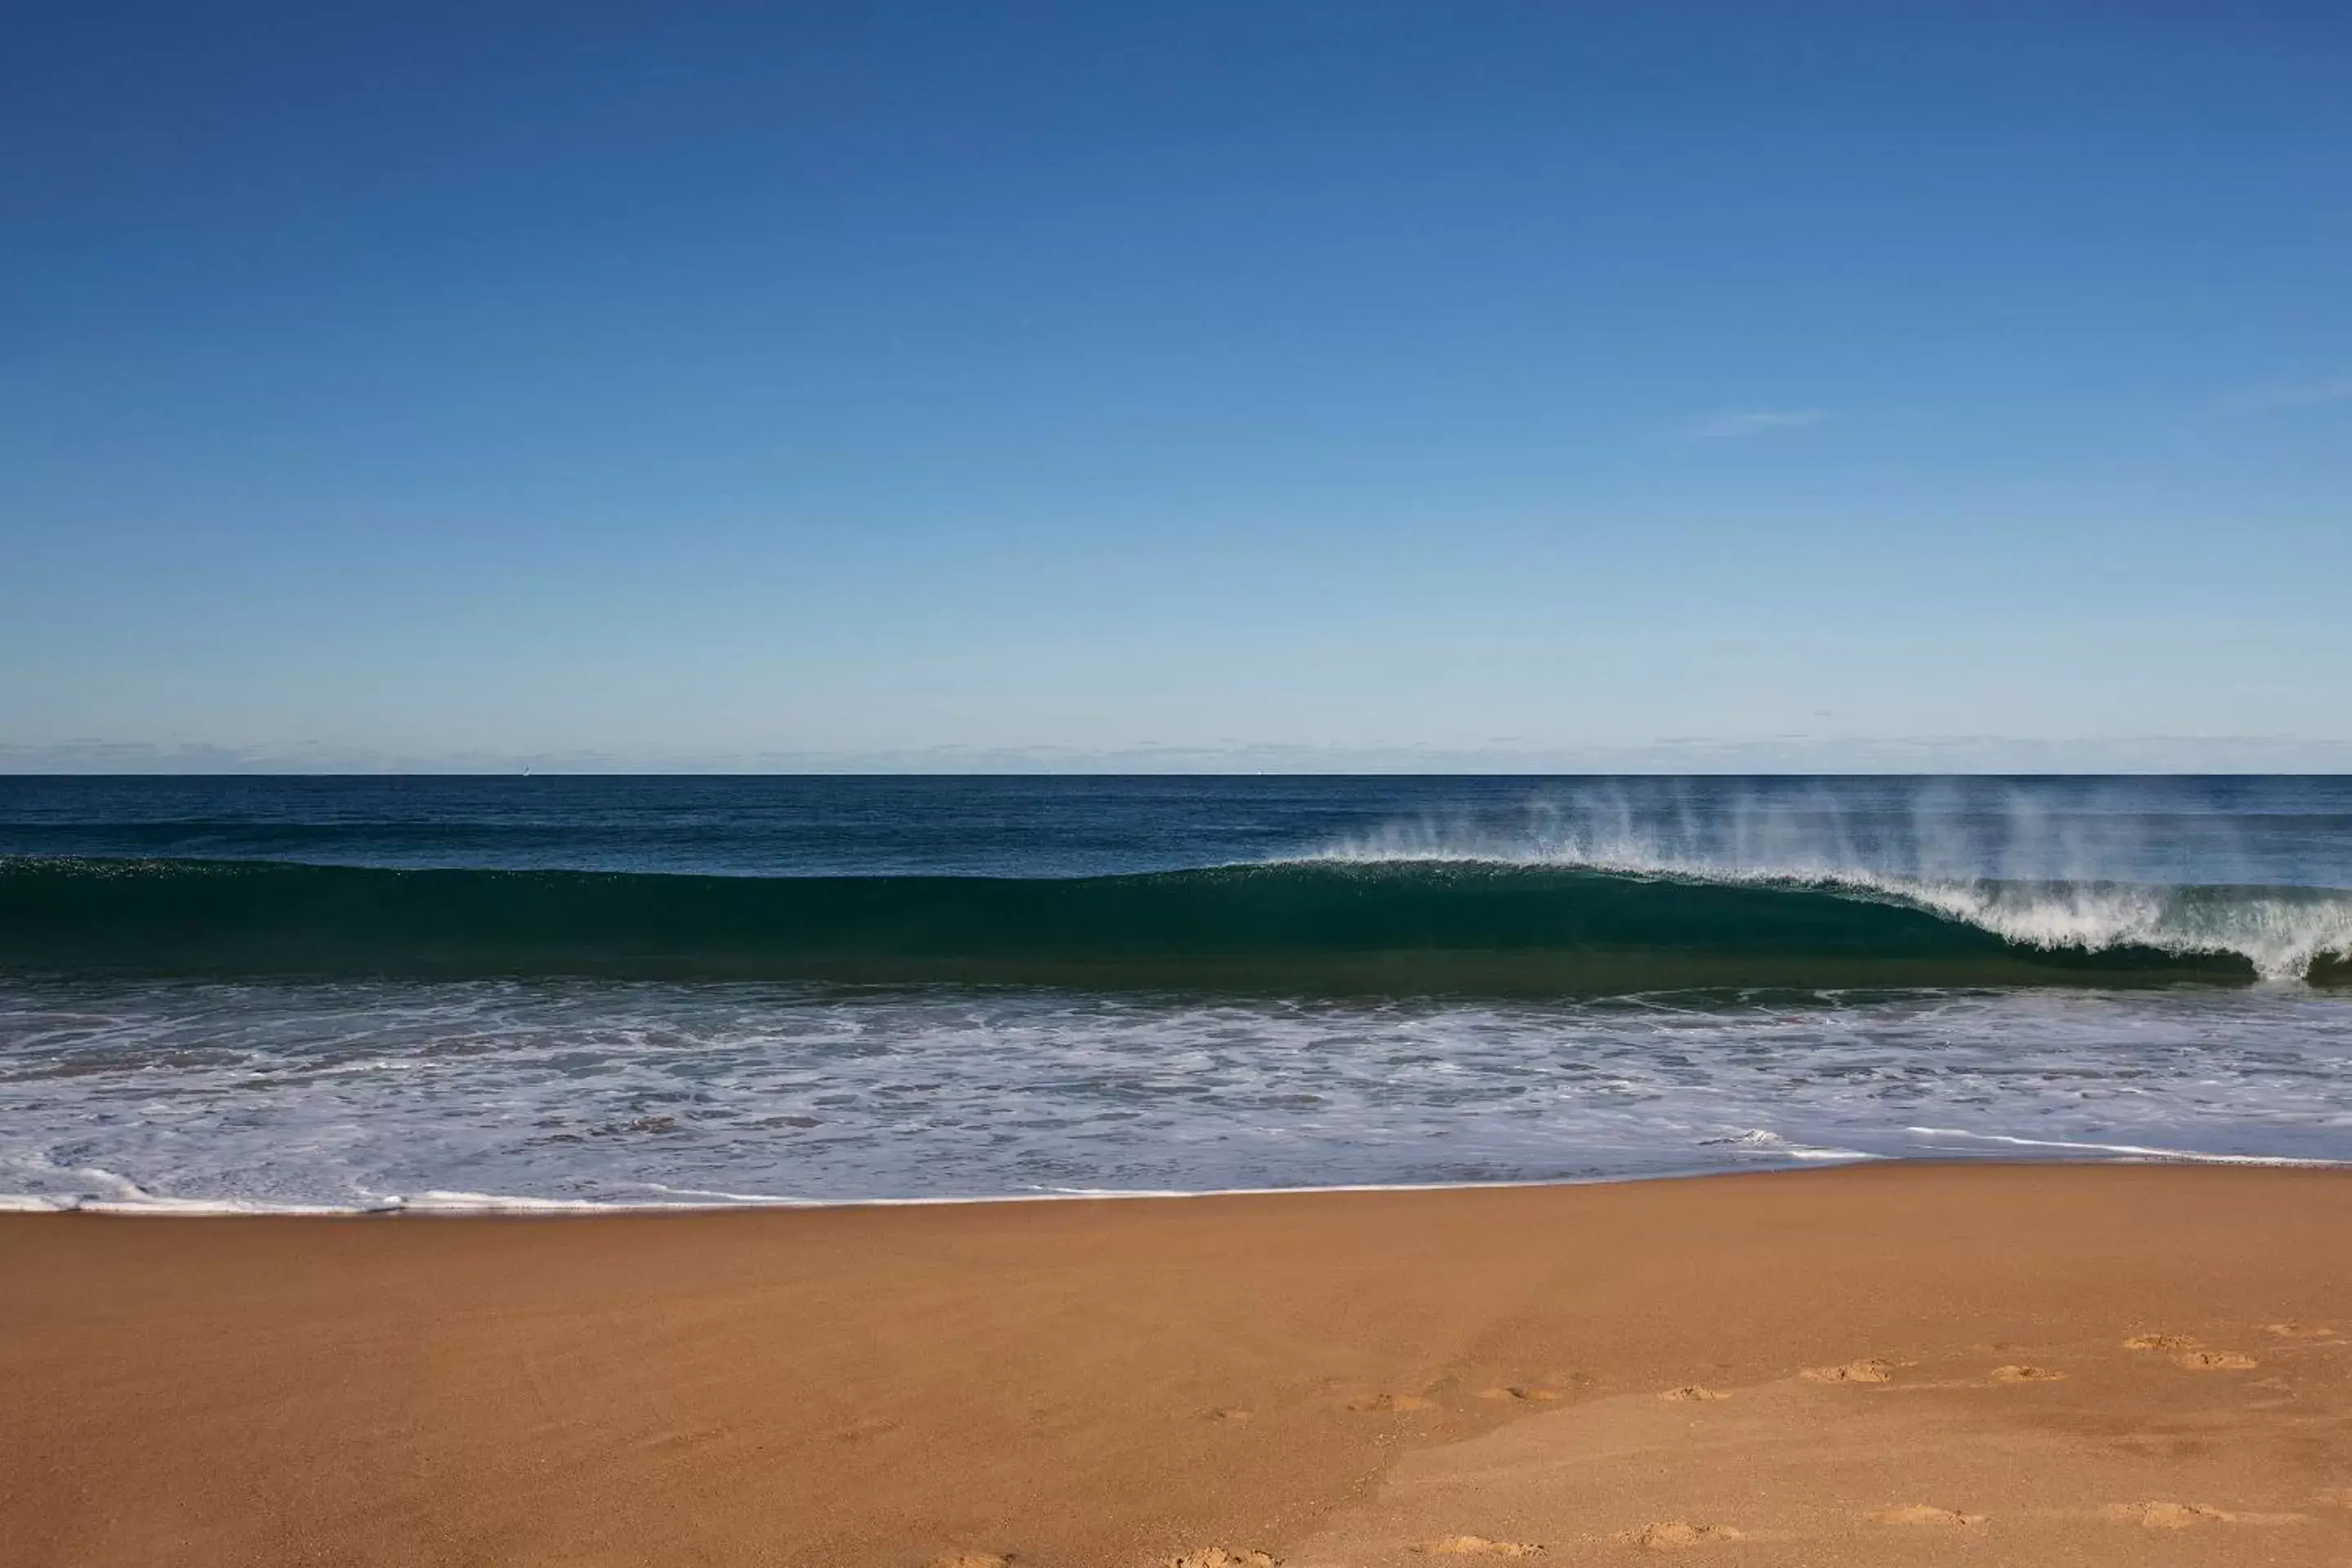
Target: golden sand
point(1871, 1365)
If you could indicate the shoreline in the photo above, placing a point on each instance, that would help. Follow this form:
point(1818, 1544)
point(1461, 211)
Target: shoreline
point(440, 1205)
point(1110, 1383)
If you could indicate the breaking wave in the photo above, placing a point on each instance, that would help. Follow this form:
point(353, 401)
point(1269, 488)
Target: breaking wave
point(2282, 932)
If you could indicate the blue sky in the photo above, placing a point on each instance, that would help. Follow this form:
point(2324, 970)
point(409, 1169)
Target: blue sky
point(1448, 384)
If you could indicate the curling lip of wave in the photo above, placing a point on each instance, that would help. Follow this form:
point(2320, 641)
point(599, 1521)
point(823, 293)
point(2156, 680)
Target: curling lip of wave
point(2282, 932)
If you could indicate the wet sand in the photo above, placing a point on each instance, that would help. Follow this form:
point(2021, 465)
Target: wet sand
point(1878, 1364)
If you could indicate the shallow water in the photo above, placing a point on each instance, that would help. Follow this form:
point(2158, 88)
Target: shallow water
point(361, 1094)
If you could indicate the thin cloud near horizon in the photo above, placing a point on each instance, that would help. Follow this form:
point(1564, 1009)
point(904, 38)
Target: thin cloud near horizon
point(2260, 399)
point(1788, 752)
point(1756, 422)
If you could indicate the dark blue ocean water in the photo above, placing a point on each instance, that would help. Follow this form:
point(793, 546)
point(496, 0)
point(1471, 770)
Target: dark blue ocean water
point(1032, 986)
point(2247, 830)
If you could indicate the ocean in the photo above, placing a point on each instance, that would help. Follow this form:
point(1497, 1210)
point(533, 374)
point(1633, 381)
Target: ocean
point(409, 994)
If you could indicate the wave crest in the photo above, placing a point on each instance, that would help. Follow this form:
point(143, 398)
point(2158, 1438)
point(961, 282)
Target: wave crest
point(2285, 932)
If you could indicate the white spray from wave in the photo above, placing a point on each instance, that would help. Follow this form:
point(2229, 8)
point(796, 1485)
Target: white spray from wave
point(2077, 873)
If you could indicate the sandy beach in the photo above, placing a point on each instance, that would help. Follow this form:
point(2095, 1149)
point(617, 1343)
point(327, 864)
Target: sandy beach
point(1877, 1364)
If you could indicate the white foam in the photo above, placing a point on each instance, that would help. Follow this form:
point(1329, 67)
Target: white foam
point(458, 1204)
point(493, 1202)
point(553, 1098)
point(2132, 1151)
point(204, 1208)
point(2280, 934)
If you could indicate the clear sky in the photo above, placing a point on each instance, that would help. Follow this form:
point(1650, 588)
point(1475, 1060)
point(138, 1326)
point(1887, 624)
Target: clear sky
point(963, 384)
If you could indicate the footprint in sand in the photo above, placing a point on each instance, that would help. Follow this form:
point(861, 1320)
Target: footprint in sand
point(2163, 1515)
point(2160, 1342)
point(1674, 1535)
point(2024, 1372)
point(1870, 1368)
point(1477, 1546)
point(1388, 1402)
point(1524, 1394)
point(2213, 1361)
point(2300, 1330)
point(1923, 1513)
point(1693, 1393)
point(1225, 1557)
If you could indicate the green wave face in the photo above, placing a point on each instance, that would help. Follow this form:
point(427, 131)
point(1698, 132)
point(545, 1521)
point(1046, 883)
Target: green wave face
point(1305, 928)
